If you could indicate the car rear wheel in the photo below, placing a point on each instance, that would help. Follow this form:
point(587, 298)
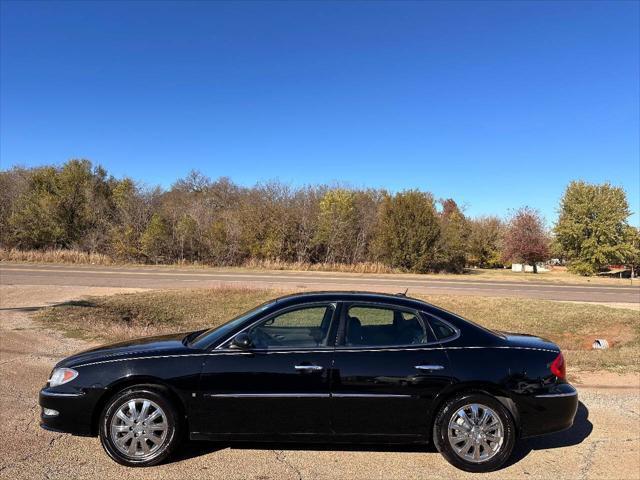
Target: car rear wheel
point(139, 427)
point(474, 432)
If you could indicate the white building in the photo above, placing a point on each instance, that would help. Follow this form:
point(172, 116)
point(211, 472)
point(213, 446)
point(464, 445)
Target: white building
point(517, 267)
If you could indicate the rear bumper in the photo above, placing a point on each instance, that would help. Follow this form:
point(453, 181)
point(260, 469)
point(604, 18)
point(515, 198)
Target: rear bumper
point(549, 412)
point(67, 412)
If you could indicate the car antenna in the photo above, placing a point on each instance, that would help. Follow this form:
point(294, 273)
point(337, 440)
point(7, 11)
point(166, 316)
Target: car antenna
point(403, 294)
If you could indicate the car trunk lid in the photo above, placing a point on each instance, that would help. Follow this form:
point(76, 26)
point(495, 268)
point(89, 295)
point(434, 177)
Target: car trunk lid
point(523, 340)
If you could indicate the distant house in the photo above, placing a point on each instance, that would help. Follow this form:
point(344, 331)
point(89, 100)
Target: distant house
point(619, 271)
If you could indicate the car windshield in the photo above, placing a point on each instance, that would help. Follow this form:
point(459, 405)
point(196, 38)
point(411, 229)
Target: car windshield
point(216, 333)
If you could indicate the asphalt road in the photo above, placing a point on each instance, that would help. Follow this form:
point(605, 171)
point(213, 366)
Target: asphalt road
point(162, 277)
point(604, 442)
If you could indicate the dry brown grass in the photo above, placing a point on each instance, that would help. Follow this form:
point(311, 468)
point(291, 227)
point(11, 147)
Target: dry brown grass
point(69, 256)
point(129, 315)
point(572, 326)
point(362, 267)
point(54, 256)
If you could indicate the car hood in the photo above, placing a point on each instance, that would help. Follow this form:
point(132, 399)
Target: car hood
point(529, 341)
point(159, 345)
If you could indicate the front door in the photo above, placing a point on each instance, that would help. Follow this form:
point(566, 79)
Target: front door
point(278, 386)
point(388, 368)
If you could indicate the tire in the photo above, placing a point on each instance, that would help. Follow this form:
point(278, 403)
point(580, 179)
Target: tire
point(139, 427)
point(477, 443)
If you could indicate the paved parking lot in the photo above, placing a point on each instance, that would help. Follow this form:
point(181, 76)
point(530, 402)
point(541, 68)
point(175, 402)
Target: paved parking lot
point(604, 442)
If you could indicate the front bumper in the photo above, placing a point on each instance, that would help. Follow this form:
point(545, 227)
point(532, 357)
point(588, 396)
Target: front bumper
point(74, 411)
point(552, 411)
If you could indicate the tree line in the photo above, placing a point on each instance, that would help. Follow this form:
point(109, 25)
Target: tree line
point(216, 222)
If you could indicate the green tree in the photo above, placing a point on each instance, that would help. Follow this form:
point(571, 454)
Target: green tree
point(453, 241)
point(156, 239)
point(218, 243)
point(34, 222)
point(186, 230)
point(132, 212)
point(633, 259)
point(592, 229)
point(408, 231)
point(262, 216)
point(14, 184)
point(68, 207)
point(337, 222)
point(485, 242)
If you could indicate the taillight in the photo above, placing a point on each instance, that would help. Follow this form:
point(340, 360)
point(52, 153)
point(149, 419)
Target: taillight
point(558, 367)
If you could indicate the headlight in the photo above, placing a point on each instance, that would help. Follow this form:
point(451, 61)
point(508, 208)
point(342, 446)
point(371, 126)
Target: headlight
point(61, 375)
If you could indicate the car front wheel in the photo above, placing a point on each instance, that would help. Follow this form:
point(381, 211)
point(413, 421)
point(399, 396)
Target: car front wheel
point(139, 427)
point(474, 432)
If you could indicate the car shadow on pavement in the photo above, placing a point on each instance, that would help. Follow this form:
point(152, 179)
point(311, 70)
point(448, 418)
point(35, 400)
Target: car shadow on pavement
point(194, 449)
point(22, 309)
point(580, 430)
point(35, 308)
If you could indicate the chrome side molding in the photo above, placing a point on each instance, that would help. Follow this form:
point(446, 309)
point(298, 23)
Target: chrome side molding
point(308, 367)
point(557, 395)
point(429, 367)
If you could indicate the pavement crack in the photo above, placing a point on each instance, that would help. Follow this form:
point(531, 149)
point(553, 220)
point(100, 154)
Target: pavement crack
point(55, 439)
point(31, 455)
point(281, 458)
point(4, 362)
point(32, 417)
point(588, 458)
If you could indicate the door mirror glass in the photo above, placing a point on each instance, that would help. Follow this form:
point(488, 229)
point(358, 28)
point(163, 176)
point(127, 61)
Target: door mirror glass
point(242, 340)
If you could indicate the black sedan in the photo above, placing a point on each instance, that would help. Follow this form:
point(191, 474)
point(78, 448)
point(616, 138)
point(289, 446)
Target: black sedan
point(318, 367)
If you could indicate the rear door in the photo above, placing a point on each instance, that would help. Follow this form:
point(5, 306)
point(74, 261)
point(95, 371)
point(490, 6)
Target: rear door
point(388, 367)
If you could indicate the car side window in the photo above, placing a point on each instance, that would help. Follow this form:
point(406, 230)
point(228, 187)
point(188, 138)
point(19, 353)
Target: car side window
point(382, 326)
point(443, 331)
point(305, 327)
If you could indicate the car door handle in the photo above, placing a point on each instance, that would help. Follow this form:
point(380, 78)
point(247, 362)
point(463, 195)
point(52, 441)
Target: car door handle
point(308, 367)
point(429, 367)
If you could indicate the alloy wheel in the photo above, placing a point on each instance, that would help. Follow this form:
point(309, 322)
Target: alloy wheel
point(139, 428)
point(475, 433)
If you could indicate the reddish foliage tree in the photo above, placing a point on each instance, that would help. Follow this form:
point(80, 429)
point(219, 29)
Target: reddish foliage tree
point(526, 239)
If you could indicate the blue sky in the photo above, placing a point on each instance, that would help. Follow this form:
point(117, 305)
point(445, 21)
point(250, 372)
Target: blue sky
point(495, 104)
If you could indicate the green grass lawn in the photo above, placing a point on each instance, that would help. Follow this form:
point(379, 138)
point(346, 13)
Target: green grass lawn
point(572, 326)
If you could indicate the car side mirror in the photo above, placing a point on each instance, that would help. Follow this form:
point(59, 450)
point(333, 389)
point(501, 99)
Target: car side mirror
point(242, 340)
